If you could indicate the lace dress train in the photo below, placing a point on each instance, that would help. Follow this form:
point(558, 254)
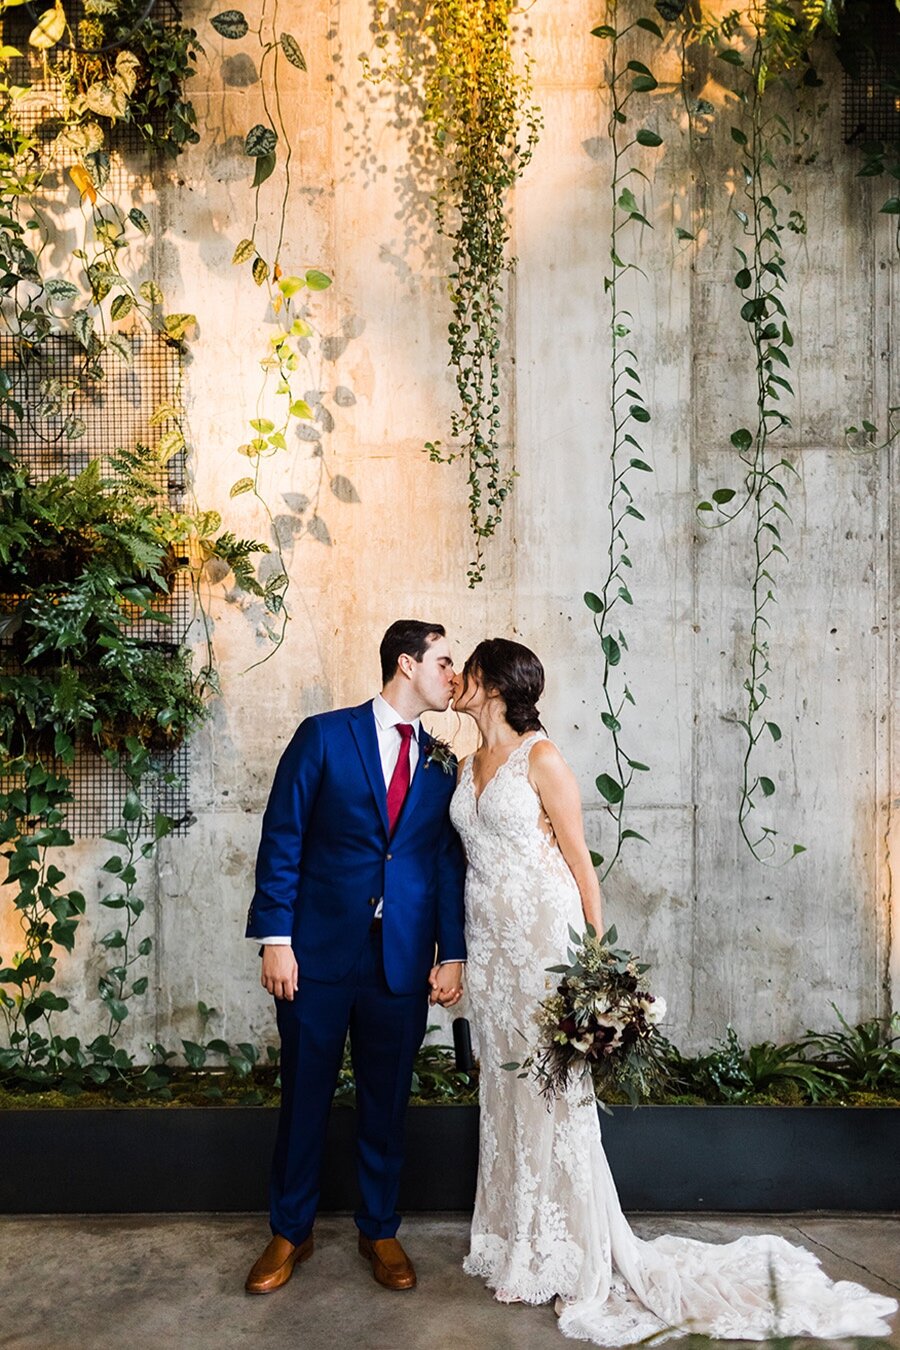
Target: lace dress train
point(547, 1218)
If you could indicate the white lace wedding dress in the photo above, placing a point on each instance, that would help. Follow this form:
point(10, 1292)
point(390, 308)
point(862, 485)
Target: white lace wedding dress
point(547, 1219)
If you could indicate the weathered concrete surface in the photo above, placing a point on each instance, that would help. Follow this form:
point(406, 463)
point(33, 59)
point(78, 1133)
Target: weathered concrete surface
point(768, 949)
point(161, 1281)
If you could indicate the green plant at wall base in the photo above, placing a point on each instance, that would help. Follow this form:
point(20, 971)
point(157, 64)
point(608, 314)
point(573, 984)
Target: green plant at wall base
point(483, 129)
point(628, 411)
point(850, 1066)
point(761, 281)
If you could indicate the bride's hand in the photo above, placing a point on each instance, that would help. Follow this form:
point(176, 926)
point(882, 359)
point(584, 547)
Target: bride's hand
point(446, 984)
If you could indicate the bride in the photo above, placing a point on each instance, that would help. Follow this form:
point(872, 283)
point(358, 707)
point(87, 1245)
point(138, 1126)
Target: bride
point(547, 1221)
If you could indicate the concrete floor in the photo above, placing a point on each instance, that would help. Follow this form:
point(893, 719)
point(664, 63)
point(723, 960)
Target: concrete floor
point(148, 1282)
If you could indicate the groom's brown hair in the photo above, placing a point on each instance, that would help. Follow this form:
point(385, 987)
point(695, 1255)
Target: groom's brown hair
point(407, 637)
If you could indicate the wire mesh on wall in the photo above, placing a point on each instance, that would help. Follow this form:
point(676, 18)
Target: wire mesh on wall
point(99, 789)
point(871, 101)
point(71, 418)
point(40, 111)
point(111, 411)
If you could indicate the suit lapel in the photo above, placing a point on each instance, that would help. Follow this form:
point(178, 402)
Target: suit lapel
point(362, 724)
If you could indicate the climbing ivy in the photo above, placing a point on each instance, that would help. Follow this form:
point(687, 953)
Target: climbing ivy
point(84, 559)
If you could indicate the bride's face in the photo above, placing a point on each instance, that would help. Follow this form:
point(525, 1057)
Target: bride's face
point(469, 694)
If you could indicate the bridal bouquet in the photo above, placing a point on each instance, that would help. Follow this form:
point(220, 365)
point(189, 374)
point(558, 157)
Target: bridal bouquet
point(601, 1024)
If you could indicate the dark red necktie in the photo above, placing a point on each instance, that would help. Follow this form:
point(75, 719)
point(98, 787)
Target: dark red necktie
point(400, 777)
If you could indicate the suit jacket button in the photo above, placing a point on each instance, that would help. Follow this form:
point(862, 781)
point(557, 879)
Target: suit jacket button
point(388, 857)
point(373, 901)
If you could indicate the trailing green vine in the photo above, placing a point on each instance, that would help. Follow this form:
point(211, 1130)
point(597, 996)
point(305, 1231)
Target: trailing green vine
point(628, 411)
point(48, 914)
point(117, 984)
point(483, 129)
point(288, 296)
point(761, 281)
point(867, 440)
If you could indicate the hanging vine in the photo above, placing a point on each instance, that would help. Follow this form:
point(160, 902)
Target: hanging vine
point(628, 410)
point(483, 128)
point(761, 281)
point(288, 348)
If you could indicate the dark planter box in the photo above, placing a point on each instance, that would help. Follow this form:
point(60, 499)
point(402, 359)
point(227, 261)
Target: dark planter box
point(690, 1158)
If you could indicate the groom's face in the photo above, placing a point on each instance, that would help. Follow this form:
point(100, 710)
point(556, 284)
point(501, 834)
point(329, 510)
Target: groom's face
point(432, 677)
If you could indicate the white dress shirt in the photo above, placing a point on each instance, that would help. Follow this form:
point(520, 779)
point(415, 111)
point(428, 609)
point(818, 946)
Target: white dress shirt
point(389, 742)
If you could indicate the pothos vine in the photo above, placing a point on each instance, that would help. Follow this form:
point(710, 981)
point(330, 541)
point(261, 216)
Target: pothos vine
point(628, 411)
point(287, 350)
point(761, 281)
point(483, 128)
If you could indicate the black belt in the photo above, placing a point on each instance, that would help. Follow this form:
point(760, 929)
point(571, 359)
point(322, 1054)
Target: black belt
point(375, 925)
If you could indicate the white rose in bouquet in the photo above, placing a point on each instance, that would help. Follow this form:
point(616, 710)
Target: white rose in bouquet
point(654, 1009)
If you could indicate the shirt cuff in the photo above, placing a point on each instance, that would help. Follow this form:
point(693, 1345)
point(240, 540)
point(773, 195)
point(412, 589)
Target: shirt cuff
point(452, 961)
point(272, 941)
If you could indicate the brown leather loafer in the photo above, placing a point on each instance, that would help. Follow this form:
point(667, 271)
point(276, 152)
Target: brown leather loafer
point(390, 1264)
point(276, 1265)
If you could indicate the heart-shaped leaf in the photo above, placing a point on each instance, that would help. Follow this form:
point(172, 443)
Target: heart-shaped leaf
point(230, 24)
point(260, 140)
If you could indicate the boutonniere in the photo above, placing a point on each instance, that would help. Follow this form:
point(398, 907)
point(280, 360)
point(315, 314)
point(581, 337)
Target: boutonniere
point(440, 753)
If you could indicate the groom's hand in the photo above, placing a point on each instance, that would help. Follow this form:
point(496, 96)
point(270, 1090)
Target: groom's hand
point(446, 984)
point(280, 974)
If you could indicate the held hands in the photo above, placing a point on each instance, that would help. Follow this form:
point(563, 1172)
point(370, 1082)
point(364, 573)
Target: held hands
point(446, 984)
point(280, 974)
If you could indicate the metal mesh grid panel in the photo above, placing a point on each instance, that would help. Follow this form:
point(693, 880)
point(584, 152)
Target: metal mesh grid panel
point(115, 411)
point(40, 112)
point(99, 790)
point(871, 96)
point(165, 636)
point(112, 412)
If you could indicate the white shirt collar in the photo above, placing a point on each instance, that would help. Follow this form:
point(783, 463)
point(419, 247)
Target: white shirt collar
point(386, 716)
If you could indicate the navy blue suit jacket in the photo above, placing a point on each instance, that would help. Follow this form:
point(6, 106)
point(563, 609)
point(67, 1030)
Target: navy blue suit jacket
point(325, 857)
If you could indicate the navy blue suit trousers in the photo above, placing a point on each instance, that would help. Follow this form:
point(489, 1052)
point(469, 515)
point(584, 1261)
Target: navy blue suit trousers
point(386, 1030)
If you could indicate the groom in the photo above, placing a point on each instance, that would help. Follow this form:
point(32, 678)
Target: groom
point(359, 878)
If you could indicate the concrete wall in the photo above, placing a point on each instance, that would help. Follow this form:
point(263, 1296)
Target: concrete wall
point(768, 949)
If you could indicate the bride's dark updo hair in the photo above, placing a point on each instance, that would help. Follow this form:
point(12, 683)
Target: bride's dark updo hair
point(514, 672)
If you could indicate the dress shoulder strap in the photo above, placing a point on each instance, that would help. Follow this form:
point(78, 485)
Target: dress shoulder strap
point(521, 752)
